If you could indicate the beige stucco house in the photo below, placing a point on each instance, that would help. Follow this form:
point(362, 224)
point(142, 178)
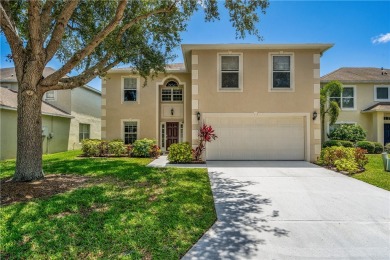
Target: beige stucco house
point(261, 99)
point(365, 100)
point(82, 105)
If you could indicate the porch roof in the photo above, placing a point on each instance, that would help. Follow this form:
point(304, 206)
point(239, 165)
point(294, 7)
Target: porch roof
point(378, 107)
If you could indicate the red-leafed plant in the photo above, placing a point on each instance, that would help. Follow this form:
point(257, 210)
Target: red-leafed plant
point(206, 134)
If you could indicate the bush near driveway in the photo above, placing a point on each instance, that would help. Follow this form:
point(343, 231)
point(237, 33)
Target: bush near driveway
point(130, 211)
point(344, 159)
point(180, 153)
point(352, 133)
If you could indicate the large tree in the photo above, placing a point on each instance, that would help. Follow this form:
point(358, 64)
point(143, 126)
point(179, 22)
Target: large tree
point(91, 37)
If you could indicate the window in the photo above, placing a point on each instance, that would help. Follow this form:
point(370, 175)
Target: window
point(162, 135)
point(230, 72)
point(130, 130)
point(84, 130)
point(347, 99)
point(381, 93)
point(281, 71)
point(50, 95)
point(181, 132)
point(171, 92)
point(130, 89)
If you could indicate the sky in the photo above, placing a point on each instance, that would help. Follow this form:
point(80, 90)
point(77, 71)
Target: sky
point(359, 30)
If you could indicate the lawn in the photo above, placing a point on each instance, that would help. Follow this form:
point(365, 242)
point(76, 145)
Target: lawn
point(130, 211)
point(375, 174)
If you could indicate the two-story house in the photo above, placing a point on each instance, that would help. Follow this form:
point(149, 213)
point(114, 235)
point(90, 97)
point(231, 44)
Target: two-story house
point(262, 100)
point(365, 100)
point(81, 105)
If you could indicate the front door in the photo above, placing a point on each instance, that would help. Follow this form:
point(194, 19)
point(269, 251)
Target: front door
point(172, 133)
point(387, 133)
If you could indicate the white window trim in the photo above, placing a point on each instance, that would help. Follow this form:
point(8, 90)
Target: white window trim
point(49, 99)
point(129, 120)
point(162, 146)
point(375, 93)
point(240, 72)
point(89, 132)
point(270, 74)
point(354, 99)
point(123, 89)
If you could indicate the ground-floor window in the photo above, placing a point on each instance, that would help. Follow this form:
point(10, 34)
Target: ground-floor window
point(84, 132)
point(130, 130)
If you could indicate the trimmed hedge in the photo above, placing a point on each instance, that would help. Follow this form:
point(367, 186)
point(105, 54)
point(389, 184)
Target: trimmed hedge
point(369, 146)
point(144, 148)
point(331, 143)
point(180, 153)
point(378, 148)
point(344, 159)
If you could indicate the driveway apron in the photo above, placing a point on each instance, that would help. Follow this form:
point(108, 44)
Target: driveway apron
point(293, 210)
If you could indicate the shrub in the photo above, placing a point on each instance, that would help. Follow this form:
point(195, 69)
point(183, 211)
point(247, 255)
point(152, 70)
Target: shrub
point(344, 159)
point(143, 147)
point(90, 147)
point(155, 151)
point(369, 146)
point(180, 153)
point(116, 147)
point(387, 148)
point(378, 147)
point(331, 143)
point(360, 157)
point(346, 143)
point(351, 133)
point(206, 134)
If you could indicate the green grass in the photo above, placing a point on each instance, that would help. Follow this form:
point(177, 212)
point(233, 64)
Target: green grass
point(375, 174)
point(134, 212)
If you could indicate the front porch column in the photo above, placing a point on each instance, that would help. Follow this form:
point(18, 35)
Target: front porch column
point(378, 124)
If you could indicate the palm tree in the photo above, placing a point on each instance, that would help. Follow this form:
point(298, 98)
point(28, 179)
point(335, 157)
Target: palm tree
point(329, 107)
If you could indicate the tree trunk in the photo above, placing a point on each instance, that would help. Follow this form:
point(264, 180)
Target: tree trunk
point(29, 133)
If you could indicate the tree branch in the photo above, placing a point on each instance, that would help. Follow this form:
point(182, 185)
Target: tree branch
point(46, 16)
point(59, 29)
point(15, 42)
point(78, 56)
point(80, 80)
point(34, 27)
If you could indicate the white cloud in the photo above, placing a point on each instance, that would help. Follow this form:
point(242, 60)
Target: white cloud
point(382, 38)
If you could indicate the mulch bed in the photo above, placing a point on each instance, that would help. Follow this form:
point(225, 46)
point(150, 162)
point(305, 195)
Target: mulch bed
point(52, 184)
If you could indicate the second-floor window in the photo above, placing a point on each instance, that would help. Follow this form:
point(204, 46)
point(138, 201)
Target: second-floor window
point(382, 93)
point(172, 92)
point(130, 89)
point(50, 96)
point(281, 71)
point(346, 100)
point(230, 72)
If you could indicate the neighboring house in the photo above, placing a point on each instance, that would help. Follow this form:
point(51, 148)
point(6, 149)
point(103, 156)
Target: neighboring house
point(365, 100)
point(55, 126)
point(82, 103)
point(260, 99)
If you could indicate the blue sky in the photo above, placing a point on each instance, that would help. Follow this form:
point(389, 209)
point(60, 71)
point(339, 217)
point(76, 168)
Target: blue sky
point(360, 31)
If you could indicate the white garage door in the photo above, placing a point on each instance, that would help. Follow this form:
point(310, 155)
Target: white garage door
point(257, 138)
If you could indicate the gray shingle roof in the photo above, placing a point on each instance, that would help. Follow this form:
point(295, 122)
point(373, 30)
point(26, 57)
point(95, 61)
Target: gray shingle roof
point(9, 100)
point(381, 106)
point(358, 75)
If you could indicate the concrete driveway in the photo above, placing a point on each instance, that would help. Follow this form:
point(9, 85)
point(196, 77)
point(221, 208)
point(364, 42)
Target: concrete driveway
point(293, 210)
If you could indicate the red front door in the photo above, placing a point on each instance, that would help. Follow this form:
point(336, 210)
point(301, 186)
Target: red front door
point(172, 133)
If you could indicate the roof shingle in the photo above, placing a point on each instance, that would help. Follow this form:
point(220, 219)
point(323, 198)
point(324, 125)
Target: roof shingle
point(358, 75)
point(9, 99)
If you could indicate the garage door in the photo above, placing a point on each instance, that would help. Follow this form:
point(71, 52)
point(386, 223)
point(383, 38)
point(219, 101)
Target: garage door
point(257, 138)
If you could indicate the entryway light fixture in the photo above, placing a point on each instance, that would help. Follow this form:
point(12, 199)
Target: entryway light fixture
point(172, 111)
point(198, 115)
point(314, 115)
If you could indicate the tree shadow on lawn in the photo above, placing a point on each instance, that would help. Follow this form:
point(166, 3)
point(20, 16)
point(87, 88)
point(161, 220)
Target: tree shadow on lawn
point(160, 215)
point(241, 219)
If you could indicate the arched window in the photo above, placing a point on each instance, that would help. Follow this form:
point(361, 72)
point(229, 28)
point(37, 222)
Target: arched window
point(171, 91)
